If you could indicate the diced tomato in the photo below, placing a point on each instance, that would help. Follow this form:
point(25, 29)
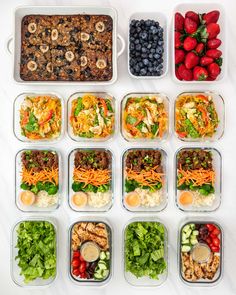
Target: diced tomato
point(83, 275)
point(208, 240)
point(82, 267)
point(76, 272)
point(75, 263)
point(216, 231)
point(210, 227)
point(215, 249)
point(216, 242)
point(76, 254)
point(181, 134)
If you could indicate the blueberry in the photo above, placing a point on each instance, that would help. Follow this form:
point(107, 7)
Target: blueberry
point(131, 46)
point(144, 49)
point(150, 69)
point(136, 41)
point(132, 62)
point(144, 55)
point(149, 46)
point(152, 50)
point(140, 64)
point(144, 35)
point(143, 72)
point(156, 56)
point(160, 43)
point(159, 50)
point(137, 54)
point(150, 56)
point(137, 68)
point(148, 23)
point(138, 47)
point(160, 60)
point(145, 61)
point(139, 30)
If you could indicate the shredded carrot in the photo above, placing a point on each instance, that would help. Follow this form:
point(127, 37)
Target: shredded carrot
point(146, 178)
point(91, 176)
point(31, 177)
point(196, 177)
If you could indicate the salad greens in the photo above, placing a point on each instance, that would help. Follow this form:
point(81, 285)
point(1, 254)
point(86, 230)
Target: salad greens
point(36, 243)
point(145, 249)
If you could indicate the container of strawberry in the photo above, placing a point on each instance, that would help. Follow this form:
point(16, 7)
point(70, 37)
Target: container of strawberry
point(199, 43)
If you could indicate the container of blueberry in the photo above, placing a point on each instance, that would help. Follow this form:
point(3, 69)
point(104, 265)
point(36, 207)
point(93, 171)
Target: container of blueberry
point(148, 45)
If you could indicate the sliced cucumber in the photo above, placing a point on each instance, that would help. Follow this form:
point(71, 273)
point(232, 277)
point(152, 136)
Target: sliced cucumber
point(195, 233)
point(185, 241)
point(193, 241)
point(185, 248)
point(98, 276)
point(102, 265)
point(192, 225)
point(108, 255)
point(186, 228)
point(103, 256)
point(188, 233)
point(105, 273)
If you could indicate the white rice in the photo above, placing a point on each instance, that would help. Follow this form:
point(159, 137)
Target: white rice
point(99, 199)
point(149, 199)
point(200, 200)
point(44, 200)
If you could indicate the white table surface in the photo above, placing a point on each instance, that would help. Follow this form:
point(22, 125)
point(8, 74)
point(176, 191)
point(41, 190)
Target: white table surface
point(171, 216)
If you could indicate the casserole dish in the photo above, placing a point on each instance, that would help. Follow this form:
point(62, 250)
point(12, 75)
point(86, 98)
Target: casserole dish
point(22, 12)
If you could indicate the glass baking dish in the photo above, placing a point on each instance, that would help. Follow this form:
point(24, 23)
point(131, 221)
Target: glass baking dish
point(152, 232)
point(199, 109)
point(38, 189)
point(27, 115)
point(147, 127)
point(162, 20)
point(102, 113)
point(201, 190)
point(152, 195)
point(200, 252)
point(90, 251)
point(16, 275)
point(91, 197)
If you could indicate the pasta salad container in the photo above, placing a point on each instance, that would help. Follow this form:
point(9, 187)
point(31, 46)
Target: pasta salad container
point(198, 179)
point(91, 181)
point(34, 256)
point(145, 117)
point(38, 179)
point(91, 116)
point(90, 251)
point(145, 251)
point(39, 117)
point(199, 116)
point(200, 252)
point(144, 180)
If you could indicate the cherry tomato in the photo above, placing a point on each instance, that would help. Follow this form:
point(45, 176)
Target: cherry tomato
point(81, 259)
point(216, 242)
point(216, 231)
point(83, 275)
point(75, 263)
point(209, 240)
point(82, 267)
point(210, 227)
point(76, 254)
point(215, 249)
point(76, 272)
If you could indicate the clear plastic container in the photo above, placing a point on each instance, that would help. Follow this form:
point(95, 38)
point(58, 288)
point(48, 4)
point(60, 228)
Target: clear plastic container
point(104, 95)
point(15, 269)
point(200, 280)
point(19, 101)
point(109, 259)
point(145, 281)
point(202, 8)
point(149, 201)
point(161, 18)
point(220, 109)
point(55, 203)
point(71, 192)
point(127, 135)
point(200, 202)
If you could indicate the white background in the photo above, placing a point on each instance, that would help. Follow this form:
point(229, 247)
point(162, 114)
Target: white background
point(225, 215)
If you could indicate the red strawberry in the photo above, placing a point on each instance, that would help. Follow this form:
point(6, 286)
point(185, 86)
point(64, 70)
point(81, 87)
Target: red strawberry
point(199, 48)
point(178, 42)
point(190, 25)
point(211, 17)
point(190, 43)
point(191, 60)
point(200, 74)
point(212, 30)
point(179, 56)
point(210, 79)
point(179, 21)
point(213, 43)
point(205, 60)
point(184, 73)
point(213, 70)
point(177, 74)
point(193, 15)
point(214, 53)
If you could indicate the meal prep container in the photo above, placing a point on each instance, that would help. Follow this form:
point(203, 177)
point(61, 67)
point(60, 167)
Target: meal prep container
point(18, 167)
point(202, 8)
point(69, 107)
point(144, 94)
point(91, 282)
point(88, 208)
point(20, 12)
point(164, 201)
point(217, 166)
point(220, 109)
point(15, 270)
point(17, 105)
point(219, 273)
point(145, 281)
point(161, 18)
